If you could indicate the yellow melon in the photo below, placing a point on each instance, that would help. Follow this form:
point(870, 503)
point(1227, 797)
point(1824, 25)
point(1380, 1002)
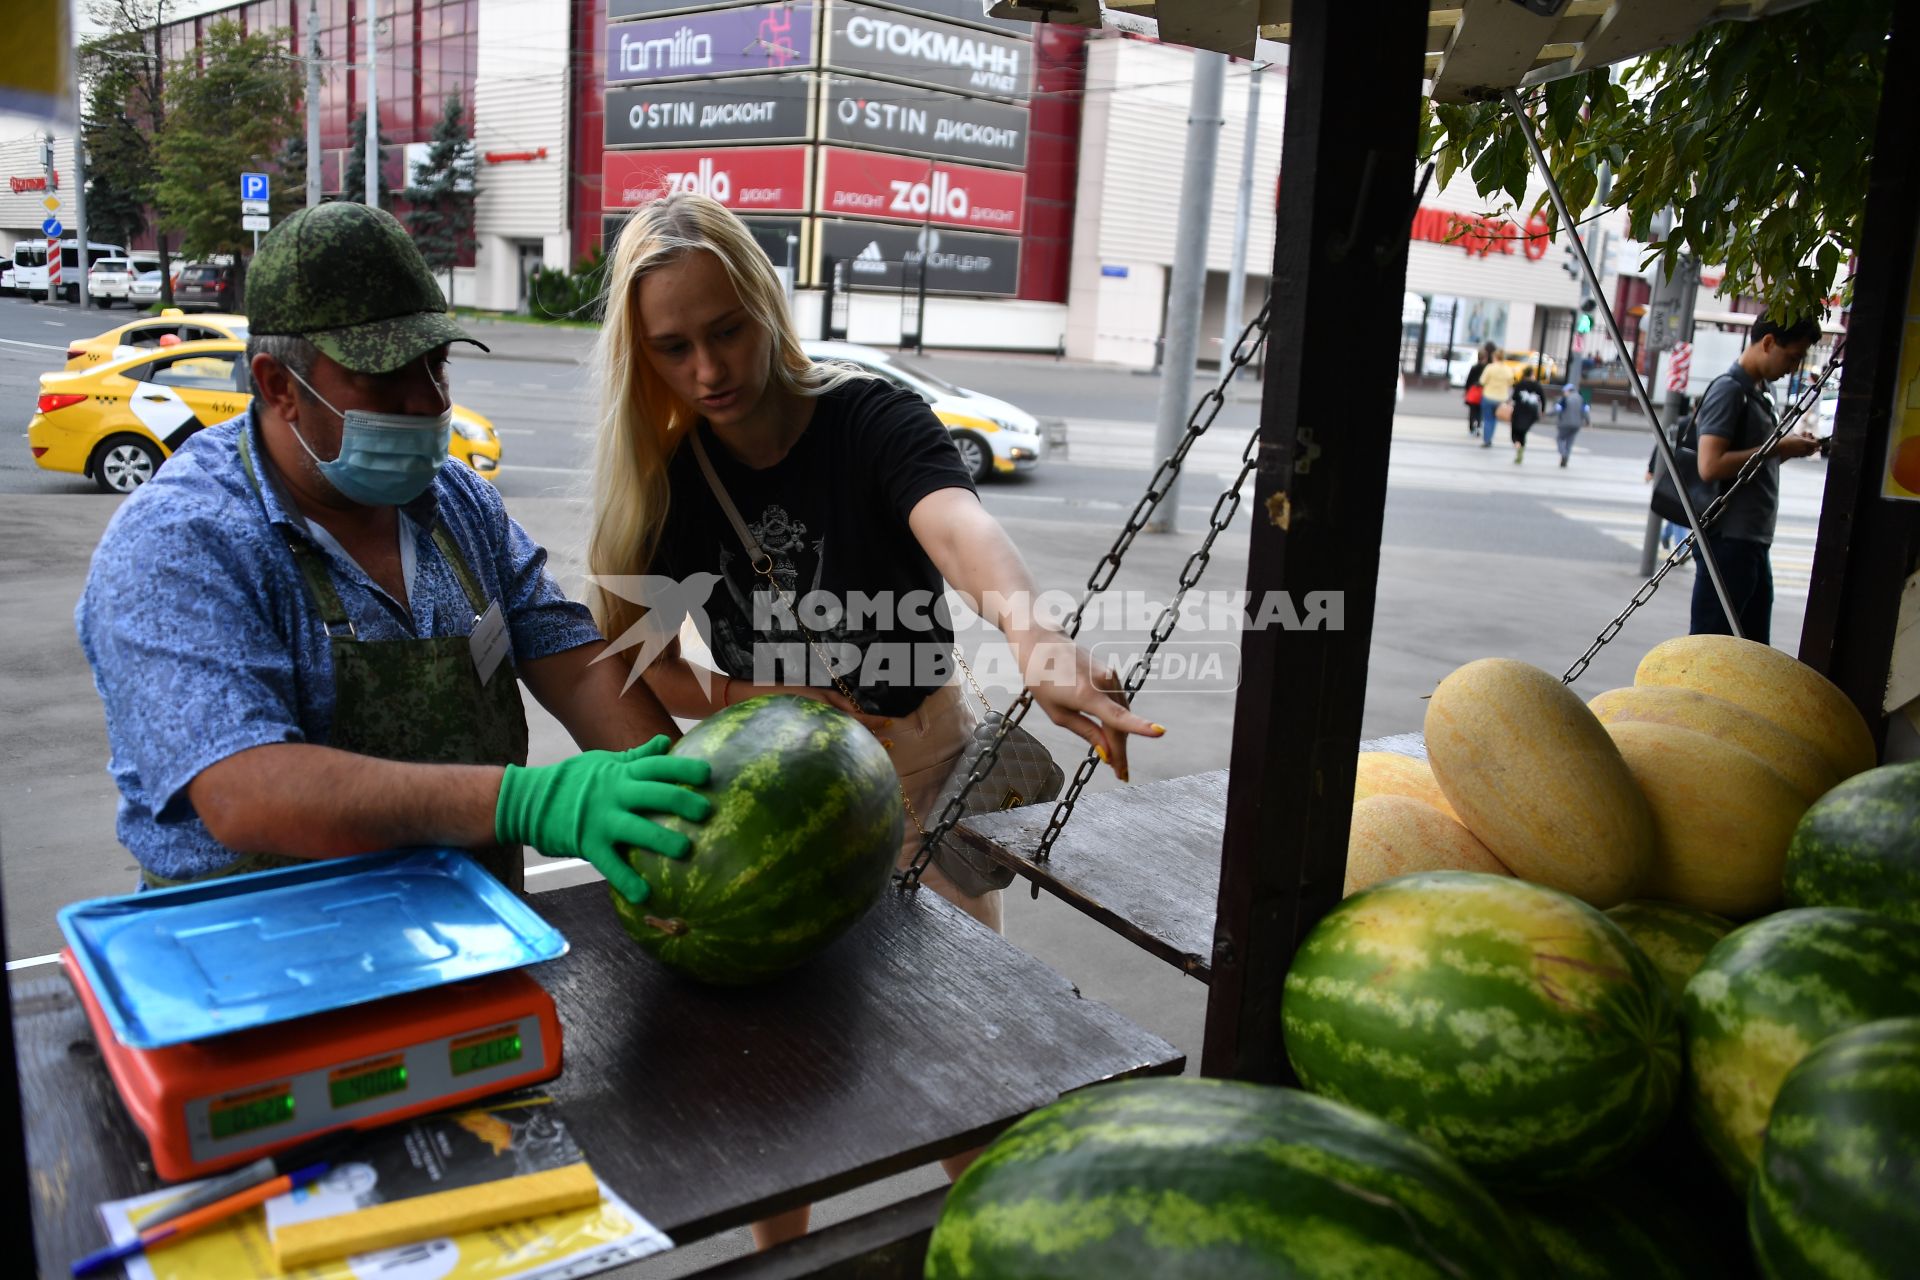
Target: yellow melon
point(1796, 759)
point(1722, 818)
point(1771, 684)
point(1534, 775)
point(1388, 773)
point(1397, 835)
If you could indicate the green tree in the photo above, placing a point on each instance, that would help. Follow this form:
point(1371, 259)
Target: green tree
point(1752, 132)
point(353, 182)
point(229, 111)
point(289, 193)
point(442, 195)
point(124, 118)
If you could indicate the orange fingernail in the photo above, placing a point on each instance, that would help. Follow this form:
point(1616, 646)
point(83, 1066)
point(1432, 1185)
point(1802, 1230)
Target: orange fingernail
point(1102, 753)
point(1159, 728)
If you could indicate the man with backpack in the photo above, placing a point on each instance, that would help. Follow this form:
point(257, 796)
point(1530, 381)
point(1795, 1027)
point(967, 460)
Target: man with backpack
point(1734, 422)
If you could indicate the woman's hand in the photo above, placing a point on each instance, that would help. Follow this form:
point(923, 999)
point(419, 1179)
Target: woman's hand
point(1077, 693)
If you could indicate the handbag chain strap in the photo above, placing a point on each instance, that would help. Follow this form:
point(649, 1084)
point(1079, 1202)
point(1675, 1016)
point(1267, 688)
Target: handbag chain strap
point(762, 564)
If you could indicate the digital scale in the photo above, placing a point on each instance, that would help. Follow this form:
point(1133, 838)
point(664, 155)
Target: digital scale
point(246, 1015)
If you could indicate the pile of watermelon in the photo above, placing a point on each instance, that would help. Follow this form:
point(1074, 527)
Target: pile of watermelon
point(1623, 989)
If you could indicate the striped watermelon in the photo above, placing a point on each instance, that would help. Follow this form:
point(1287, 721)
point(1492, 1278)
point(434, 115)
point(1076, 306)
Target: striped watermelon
point(1837, 1192)
point(1771, 991)
point(805, 828)
point(1507, 1023)
point(1675, 938)
point(1153, 1179)
point(1859, 846)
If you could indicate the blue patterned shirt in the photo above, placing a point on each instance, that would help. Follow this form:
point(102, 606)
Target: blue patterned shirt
point(204, 640)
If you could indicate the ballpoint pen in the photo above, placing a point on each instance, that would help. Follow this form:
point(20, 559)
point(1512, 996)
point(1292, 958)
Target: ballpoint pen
point(235, 1181)
point(206, 1216)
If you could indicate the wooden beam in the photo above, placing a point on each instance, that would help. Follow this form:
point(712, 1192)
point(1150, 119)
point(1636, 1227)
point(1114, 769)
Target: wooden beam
point(1866, 545)
point(1495, 45)
point(1225, 26)
point(889, 1243)
point(14, 1181)
point(1339, 274)
point(1633, 27)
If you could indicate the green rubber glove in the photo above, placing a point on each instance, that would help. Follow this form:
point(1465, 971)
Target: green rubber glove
point(594, 807)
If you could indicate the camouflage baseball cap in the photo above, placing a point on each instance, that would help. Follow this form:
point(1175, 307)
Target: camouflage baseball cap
point(347, 278)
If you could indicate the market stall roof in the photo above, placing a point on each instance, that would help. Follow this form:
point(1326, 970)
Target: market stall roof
point(1476, 49)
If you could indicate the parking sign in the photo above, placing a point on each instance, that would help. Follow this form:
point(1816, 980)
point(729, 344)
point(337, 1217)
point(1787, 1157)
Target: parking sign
point(253, 186)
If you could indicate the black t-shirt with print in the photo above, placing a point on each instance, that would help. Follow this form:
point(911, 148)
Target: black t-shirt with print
point(832, 515)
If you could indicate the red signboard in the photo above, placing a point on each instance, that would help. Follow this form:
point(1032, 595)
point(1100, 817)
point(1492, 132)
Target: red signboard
point(867, 184)
point(1482, 236)
point(745, 179)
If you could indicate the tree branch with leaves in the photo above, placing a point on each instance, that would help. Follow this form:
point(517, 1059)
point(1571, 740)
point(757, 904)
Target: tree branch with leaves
point(1753, 133)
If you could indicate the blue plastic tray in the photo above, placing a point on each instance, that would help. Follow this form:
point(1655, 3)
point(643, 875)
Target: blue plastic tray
point(201, 960)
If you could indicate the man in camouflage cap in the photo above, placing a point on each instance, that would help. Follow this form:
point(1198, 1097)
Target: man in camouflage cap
point(309, 632)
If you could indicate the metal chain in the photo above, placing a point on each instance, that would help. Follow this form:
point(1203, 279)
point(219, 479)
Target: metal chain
point(1252, 338)
point(1809, 395)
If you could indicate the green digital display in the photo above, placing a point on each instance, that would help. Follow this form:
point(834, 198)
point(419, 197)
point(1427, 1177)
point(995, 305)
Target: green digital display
point(373, 1081)
point(254, 1111)
point(479, 1054)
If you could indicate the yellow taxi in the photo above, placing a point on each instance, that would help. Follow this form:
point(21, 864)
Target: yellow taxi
point(150, 333)
point(117, 422)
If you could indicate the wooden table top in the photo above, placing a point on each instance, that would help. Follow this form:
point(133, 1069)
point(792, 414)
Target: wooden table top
point(918, 1035)
point(1144, 861)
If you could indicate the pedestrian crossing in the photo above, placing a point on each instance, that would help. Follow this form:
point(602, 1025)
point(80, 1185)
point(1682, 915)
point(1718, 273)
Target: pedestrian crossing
point(1600, 490)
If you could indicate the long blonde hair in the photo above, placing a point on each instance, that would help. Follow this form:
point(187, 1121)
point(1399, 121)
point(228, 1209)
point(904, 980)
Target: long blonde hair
point(641, 421)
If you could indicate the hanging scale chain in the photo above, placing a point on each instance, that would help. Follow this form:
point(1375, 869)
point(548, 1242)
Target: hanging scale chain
point(1252, 338)
point(1809, 396)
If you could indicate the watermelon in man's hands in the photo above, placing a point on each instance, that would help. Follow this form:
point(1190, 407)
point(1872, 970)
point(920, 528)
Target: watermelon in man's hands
point(806, 824)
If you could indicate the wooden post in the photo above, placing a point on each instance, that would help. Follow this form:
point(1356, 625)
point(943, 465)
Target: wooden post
point(1339, 273)
point(1866, 545)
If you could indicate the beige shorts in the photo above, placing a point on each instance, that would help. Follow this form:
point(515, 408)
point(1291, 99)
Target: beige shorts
point(925, 746)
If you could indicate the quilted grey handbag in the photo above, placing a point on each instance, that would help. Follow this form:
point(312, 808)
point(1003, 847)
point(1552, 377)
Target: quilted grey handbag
point(1023, 773)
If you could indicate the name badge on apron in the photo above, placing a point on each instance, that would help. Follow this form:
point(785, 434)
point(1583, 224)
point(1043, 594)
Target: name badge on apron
point(489, 642)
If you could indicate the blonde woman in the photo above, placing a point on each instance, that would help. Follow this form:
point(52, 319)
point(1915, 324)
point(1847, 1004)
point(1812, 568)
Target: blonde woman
point(849, 489)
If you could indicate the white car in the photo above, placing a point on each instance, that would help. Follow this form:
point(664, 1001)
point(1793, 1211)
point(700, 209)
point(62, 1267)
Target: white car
point(145, 289)
point(6, 280)
point(991, 435)
point(109, 279)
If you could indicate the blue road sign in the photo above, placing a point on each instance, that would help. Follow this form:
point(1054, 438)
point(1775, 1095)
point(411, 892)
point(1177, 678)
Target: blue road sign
point(52, 228)
point(253, 186)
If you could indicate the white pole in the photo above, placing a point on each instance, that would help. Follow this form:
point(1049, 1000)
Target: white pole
point(1242, 214)
point(1186, 292)
point(80, 183)
point(373, 103)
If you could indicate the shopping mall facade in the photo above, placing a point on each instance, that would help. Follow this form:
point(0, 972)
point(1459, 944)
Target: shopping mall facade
point(1028, 177)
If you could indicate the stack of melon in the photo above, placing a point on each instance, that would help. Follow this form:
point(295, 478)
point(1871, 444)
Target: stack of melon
point(1685, 787)
point(1536, 1040)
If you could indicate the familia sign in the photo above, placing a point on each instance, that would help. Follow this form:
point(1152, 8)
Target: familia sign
point(1481, 236)
point(745, 179)
point(870, 184)
point(729, 112)
point(906, 46)
point(872, 113)
point(718, 42)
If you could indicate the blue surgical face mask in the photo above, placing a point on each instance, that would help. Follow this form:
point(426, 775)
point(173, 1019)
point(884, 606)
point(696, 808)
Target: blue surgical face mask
point(386, 459)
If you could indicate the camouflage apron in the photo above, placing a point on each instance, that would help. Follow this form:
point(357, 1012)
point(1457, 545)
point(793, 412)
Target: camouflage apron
point(415, 700)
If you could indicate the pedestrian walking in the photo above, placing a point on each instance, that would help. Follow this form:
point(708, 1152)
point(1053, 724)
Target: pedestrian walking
point(1734, 423)
point(1496, 384)
point(1570, 413)
point(1471, 397)
point(1529, 401)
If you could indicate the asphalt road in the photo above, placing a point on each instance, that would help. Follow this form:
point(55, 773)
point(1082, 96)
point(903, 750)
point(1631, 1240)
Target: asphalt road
point(1478, 557)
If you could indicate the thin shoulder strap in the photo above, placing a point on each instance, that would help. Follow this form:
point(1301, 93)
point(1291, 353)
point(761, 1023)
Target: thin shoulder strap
point(754, 553)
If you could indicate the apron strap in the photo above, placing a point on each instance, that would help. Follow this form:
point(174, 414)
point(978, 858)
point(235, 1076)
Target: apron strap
point(312, 565)
point(443, 539)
